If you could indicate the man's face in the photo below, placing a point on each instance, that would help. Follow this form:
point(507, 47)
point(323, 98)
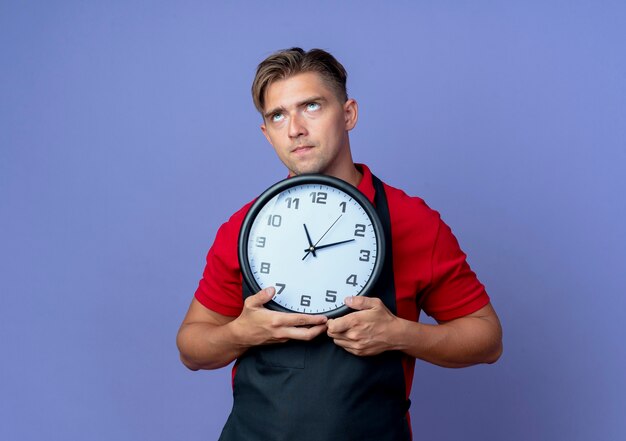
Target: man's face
point(308, 126)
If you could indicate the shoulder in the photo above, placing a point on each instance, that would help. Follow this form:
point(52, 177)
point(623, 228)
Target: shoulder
point(231, 227)
point(410, 211)
point(226, 239)
point(220, 287)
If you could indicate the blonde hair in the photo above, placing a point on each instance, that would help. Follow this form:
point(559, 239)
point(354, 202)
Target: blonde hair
point(289, 62)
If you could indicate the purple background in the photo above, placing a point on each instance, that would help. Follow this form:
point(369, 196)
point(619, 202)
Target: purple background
point(127, 136)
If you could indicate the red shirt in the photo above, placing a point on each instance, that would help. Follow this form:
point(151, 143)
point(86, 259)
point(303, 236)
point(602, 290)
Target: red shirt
point(430, 270)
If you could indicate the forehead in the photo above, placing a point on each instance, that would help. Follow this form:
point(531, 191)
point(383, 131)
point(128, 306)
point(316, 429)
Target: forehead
point(291, 91)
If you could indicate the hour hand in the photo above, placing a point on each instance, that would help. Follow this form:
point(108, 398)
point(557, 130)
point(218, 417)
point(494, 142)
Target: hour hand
point(331, 244)
point(311, 248)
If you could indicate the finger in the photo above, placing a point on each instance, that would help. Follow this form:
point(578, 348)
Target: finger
point(261, 297)
point(360, 303)
point(348, 345)
point(288, 319)
point(338, 336)
point(295, 333)
point(350, 334)
point(340, 325)
point(355, 348)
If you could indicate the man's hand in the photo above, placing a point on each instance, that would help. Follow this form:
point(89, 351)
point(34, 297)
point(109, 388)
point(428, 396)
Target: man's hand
point(257, 325)
point(372, 329)
point(368, 331)
point(208, 340)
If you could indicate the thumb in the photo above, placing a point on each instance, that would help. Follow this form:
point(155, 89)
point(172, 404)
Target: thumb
point(360, 303)
point(261, 297)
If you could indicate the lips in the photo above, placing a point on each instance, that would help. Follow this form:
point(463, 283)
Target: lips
point(301, 149)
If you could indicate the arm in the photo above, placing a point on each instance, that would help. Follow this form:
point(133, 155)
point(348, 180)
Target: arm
point(472, 339)
point(208, 340)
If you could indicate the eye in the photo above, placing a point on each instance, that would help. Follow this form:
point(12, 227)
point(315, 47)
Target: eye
point(312, 106)
point(277, 117)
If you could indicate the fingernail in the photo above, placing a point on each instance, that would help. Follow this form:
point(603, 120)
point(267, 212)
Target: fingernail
point(270, 290)
point(348, 301)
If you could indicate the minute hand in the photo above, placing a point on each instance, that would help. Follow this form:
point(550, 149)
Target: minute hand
point(309, 250)
point(331, 244)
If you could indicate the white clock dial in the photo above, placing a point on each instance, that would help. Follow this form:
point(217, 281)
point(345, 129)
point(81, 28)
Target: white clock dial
point(316, 244)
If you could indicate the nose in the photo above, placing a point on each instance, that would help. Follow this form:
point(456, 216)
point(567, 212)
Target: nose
point(297, 127)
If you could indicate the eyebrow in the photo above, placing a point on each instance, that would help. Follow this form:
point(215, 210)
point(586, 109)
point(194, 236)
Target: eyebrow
point(299, 104)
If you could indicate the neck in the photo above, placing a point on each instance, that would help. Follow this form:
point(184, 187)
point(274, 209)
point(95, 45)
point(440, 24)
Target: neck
point(344, 167)
point(356, 176)
point(347, 172)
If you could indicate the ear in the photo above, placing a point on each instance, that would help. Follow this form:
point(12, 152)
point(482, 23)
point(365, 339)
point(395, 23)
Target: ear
point(267, 136)
point(351, 113)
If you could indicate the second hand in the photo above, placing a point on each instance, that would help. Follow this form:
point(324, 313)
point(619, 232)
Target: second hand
point(333, 224)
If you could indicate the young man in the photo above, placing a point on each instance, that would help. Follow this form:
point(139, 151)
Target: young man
point(305, 377)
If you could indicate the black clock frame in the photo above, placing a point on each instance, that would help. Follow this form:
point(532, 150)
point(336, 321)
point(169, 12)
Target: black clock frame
point(285, 184)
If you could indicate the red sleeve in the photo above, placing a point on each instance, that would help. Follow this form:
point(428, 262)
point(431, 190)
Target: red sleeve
point(454, 291)
point(220, 287)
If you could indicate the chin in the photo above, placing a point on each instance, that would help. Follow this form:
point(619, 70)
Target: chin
point(306, 169)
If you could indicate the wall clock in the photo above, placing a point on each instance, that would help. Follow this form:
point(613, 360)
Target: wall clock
point(316, 239)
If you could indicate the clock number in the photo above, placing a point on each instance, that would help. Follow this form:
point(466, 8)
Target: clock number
point(365, 255)
point(343, 206)
point(274, 220)
point(305, 300)
point(359, 230)
point(281, 287)
point(265, 268)
point(318, 197)
point(331, 296)
point(295, 202)
point(260, 242)
point(351, 280)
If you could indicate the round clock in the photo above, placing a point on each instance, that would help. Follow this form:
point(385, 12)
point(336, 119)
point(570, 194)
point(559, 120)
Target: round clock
point(317, 240)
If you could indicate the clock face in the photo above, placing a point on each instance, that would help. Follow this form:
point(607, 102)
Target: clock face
point(316, 239)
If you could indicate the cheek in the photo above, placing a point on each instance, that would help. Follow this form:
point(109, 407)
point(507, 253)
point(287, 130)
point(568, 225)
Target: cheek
point(334, 126)
point(321, 128)
point(277, 139)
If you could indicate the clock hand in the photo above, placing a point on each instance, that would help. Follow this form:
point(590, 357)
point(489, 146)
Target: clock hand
point(311, 246)
point(331, 244)
point(328, 230)
point(307, 253)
